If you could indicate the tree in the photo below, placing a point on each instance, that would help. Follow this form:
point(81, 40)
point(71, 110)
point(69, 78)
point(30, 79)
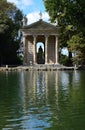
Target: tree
point(71, 18)
point(77, 45)
point(10, 23)
point(68, 12)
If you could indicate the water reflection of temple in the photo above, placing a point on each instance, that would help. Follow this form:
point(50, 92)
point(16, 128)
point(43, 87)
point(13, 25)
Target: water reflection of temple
point(40, 85)
point(37, 86)
point(45, 92)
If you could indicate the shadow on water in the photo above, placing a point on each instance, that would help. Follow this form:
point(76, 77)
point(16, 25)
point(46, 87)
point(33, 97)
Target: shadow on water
point(42, 100)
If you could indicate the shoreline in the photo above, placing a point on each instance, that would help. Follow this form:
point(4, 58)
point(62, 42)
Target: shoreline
point(37, 68)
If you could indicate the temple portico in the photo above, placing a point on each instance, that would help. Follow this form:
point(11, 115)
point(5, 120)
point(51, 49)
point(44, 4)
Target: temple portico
point(42, 32)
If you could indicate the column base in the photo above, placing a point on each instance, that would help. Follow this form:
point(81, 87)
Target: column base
point(57, 63)
point(46, 63)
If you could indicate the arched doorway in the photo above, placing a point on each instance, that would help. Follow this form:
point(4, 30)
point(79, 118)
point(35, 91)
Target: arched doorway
point(40, 53)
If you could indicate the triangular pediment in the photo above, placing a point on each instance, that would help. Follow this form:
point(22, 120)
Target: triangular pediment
point(41, 25)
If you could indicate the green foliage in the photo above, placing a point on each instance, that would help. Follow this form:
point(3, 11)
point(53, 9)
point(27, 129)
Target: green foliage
point(66, 11)
point(77, 45)
point(10, 23)
point(71, 20)
point(64, 60)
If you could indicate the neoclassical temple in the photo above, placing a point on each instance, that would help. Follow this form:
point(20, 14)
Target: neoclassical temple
point(40, 32)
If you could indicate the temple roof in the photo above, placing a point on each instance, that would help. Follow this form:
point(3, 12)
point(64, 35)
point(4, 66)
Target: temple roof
point(40, 26)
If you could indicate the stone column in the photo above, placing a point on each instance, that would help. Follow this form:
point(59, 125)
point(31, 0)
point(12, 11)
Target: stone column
point(46, 43)
point(56, 50)
point(24, 50)
point(34, 49)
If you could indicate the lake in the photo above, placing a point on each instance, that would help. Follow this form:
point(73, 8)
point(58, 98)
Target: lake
point(42, 100)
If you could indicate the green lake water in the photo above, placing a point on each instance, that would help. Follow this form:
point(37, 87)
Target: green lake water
point(42, 100)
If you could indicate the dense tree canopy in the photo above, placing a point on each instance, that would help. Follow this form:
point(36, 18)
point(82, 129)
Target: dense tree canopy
point(71, 20)
point(67, 11)
point(10, 23)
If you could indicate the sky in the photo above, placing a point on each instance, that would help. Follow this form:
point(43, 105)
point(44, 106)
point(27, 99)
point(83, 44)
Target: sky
point(31, 8)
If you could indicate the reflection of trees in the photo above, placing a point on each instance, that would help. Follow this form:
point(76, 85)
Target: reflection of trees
point(9, 98)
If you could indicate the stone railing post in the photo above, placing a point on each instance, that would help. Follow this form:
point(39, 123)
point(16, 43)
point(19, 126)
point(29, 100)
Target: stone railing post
point(56, 50)
point(25, 50)
point(46, 44)
point(34, 49)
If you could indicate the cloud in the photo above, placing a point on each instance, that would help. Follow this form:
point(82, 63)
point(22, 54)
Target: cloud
point(16, 2)
point(21, 3)
point(27, 2)
point(34, 16)
point(33, 9)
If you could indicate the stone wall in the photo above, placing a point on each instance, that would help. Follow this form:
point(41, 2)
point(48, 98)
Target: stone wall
point(30, 52)
point(51, 50)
